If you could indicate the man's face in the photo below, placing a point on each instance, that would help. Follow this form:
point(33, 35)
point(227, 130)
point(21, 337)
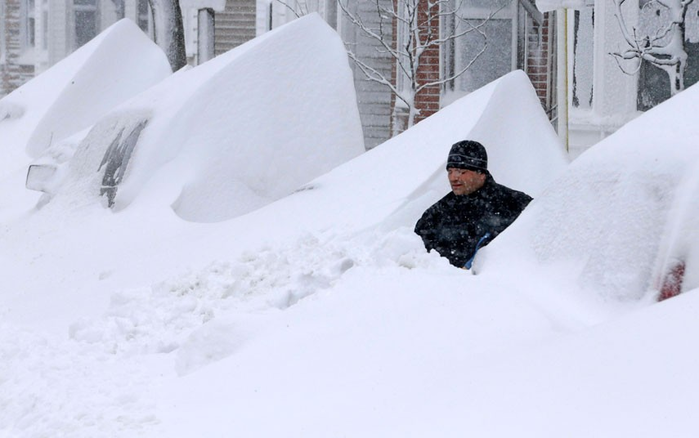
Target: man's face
point(464, 181)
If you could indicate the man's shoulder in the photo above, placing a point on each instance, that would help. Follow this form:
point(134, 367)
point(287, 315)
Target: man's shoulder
point(507, 194)
point(518, 195)
point(440, 207)
point(446, 201)
point(510, 192)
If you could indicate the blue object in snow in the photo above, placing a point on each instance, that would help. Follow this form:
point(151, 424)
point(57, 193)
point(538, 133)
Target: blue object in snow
point(469, 263)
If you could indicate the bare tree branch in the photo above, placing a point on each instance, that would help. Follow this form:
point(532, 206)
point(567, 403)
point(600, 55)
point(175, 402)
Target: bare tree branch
point(669, 55)
point(418, 23)
point(286, 5)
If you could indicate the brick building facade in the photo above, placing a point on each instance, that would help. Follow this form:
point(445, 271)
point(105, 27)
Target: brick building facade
point(540, 61)
point(427, 101)
point(530, 34)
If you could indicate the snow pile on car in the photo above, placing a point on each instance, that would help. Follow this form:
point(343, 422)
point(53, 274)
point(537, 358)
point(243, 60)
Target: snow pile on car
point(622, 217)
point(399, 179)
point(44, 120)
point(233, 134)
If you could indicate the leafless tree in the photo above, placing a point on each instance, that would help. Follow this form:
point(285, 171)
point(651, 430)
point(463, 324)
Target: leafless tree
point(662, 44)
point(169, 31)
point(417, 22)
point(297, 7)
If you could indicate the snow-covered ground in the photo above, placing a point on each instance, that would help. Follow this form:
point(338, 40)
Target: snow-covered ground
point(319, 313)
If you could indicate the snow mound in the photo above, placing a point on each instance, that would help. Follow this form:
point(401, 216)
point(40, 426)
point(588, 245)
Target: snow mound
point(73, 94)
point(48, 388)
point(613, 217)
point(195, 313)
point(233, 134)
point(402, 177)
point(145, 320)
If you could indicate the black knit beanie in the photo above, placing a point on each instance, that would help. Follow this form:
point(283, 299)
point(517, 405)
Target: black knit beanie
point(468, 154)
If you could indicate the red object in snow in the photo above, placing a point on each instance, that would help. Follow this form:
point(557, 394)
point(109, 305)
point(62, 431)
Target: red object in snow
point(672, 283)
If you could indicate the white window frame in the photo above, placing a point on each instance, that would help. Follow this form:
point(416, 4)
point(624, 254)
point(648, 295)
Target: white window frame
point(2, 33)
point(26, 32)
point(572, 61)
point(509, 12)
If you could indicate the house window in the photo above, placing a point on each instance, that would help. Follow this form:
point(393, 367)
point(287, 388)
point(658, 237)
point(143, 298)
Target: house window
point(44, 27)
point(331, 13)
point(27, 26)
point(119, 8)
point(2, 35)
point(653, 82)
point(144, 15)
point(488, 48)
point(86, 21)
point(583, 57)
point(30, 25)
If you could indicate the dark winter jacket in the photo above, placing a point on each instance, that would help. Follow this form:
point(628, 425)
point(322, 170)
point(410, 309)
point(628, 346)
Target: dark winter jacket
point(457, 226)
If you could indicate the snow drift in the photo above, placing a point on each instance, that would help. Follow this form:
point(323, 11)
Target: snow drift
point(621, 213)
point(525, 155)
point(388, 187)
point(233, 134)
point(323, 308)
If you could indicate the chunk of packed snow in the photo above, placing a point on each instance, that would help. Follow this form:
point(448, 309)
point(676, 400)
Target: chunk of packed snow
point(234, 134)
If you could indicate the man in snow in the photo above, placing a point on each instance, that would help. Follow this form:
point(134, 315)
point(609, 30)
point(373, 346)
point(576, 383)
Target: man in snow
point(475, 211)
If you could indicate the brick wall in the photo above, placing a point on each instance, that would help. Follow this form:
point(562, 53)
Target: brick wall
point(427, 100)
point(539, 60)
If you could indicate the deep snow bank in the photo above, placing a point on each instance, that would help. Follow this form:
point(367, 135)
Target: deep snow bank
point(400, 178)
point(329, 286)
point(619, 212)
point(231, 135)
